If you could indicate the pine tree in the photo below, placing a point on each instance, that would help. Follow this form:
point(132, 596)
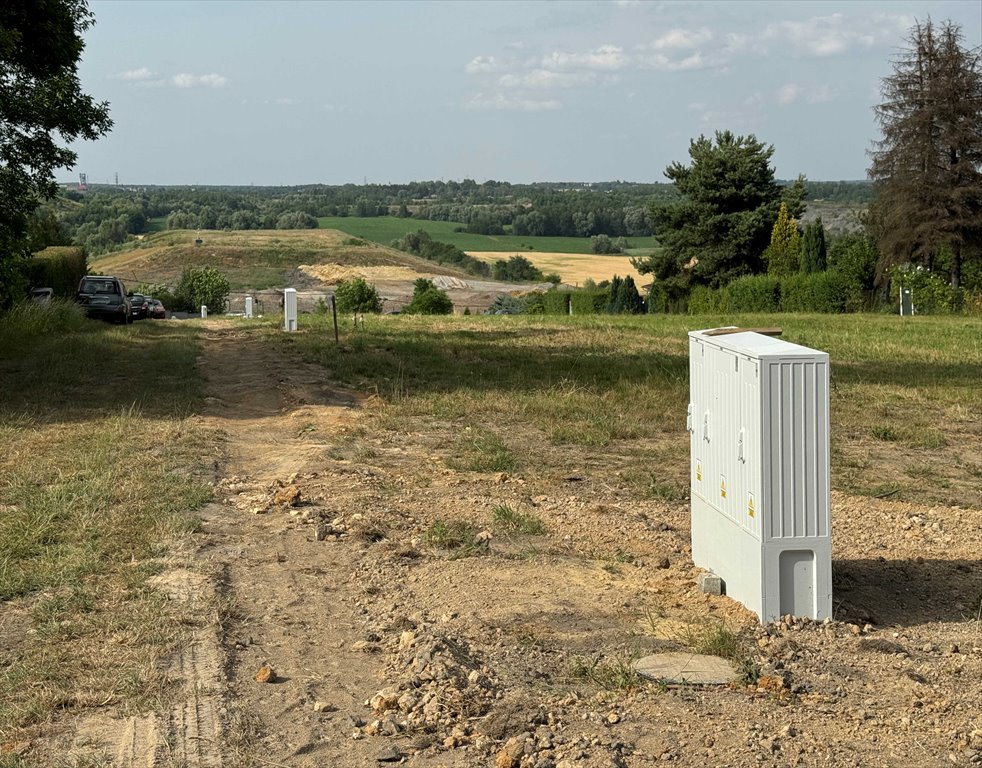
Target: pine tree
point(614, 302)
point(927, 168)
point(814, 257)
point(784, 253)
point(718, 230)
point(631, 301)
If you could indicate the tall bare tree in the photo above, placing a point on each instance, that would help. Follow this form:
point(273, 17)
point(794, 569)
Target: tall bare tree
point(927, 168)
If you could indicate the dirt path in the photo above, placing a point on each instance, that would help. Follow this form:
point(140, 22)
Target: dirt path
point(317, 566)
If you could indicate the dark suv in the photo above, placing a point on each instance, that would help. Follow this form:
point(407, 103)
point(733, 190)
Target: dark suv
point(104, 297)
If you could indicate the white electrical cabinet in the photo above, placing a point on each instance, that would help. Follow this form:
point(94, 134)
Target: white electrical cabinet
point(758, 424)
point(289, 309)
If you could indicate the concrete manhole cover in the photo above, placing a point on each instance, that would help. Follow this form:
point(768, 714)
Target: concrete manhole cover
point(691, 668)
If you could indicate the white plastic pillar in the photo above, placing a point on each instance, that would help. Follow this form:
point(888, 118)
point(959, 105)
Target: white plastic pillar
point(248, 306)
point(758, 423)
point(290, 309)
point(204, 311)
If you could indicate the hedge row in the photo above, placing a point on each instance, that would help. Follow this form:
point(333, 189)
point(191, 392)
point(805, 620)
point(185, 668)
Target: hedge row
point(589, 302)
point(58, 267)
point(567, 302)
point(828, 292)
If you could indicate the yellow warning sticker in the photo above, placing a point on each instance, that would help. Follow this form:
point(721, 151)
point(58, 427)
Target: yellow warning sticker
point(751, 510)
point(722, 486)
point(699, 470)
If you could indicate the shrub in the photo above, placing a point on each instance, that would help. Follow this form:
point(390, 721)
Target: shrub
point(601, 244)
point(60, 268)
point(756, 293)
point(556, 302)
point(504, 304)
point(931, 293)
point(517, 269)
point(854, 257)
point(669, 295)
point(357, 296)
point(201, 285)
point(817, 292)
point(428, 300)
point(534, 303)
point(796, 293)
point(158, 291)
point(589, 302)
point(830, 292)
point(706, 301)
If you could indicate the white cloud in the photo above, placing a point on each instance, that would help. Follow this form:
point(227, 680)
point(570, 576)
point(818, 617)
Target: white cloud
point(788, 93)
point(822, 35)
point(185, 80)
point(607, 58)
point(676, 39)
point(499, 101)
point(666, 64)
point(543, 78)
point(141, 74)
point(482, 64)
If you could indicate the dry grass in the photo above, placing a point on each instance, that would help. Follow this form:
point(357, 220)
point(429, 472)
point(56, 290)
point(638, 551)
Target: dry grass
point(620, 384)
point(254, 259)
point(573, 268)
point(91, 488)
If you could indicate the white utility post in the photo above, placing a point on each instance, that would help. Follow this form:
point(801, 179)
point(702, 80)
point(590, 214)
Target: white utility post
point(290, 309)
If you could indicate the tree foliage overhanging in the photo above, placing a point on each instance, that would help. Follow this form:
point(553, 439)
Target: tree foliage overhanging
point(41, 101)
point(927, 168)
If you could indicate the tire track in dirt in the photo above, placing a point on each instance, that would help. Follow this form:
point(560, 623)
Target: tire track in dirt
point(264, 406)
point(269, 408)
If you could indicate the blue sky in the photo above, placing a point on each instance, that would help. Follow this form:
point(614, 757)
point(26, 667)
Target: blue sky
point(271, 93)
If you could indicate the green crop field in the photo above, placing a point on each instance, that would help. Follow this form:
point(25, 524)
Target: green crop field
point(385, 229)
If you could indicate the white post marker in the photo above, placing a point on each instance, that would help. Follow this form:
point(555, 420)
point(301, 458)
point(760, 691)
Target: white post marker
point(906, 302)
point(248, 306)
point(204, 311)
point(290, 309)
point(758, 427)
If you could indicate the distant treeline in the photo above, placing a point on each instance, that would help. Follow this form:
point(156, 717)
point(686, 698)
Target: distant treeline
point(105, 216)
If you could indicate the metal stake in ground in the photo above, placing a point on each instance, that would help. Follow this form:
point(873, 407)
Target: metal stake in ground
point(334, 313)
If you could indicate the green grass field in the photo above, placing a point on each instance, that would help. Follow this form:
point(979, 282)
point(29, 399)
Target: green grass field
point(385, 229)
point(905, 395)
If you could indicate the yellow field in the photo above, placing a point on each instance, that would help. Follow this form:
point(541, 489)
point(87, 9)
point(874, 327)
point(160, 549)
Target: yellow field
point(573, 268)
